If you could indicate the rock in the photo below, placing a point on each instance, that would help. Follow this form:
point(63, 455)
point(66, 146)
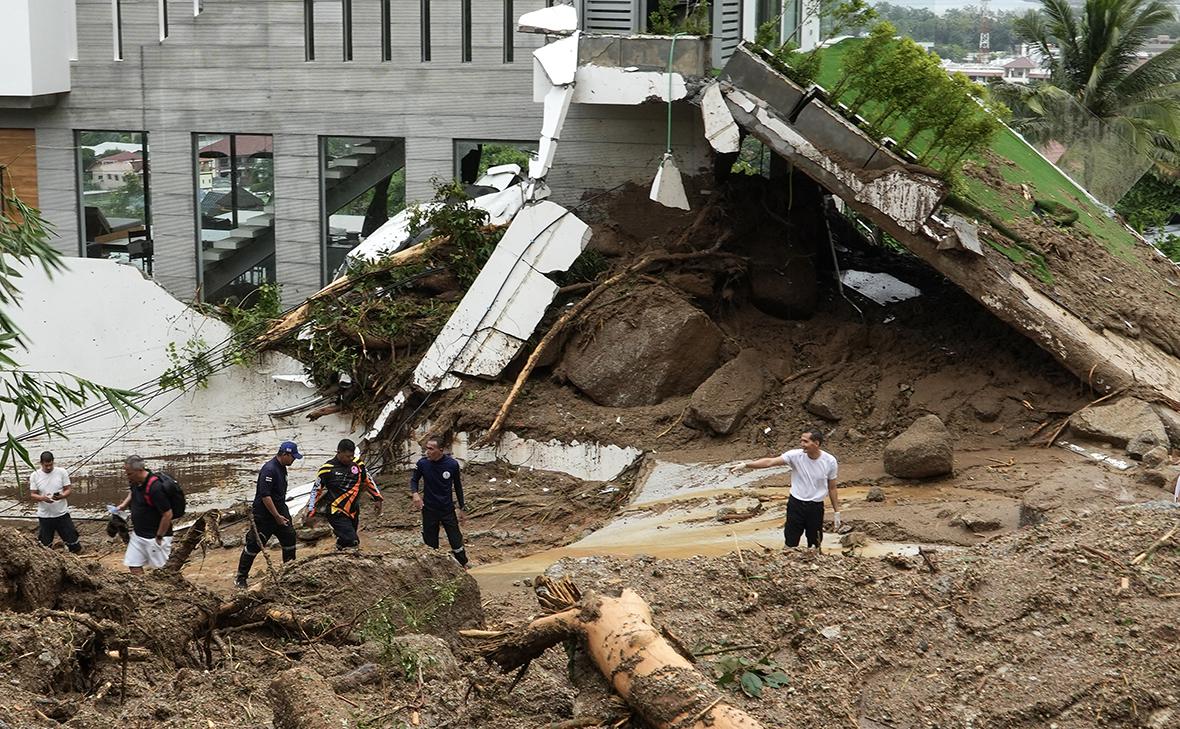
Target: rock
point(1163, 478)
point(722, 401)
point(1144, 442)
point(785, 287)
point(1155, 457)
point(427, 652)
point(694, 283)
point(1171, 420)
point(300, 698)
point(312, 534)
point(922, 451)
point(641, 350)
point(828, 402)
point(854, 539)
point(876, 493)
point(987, 409)
point(831, 632)
point(854, 435)
point(747, 504)
point(232, 541)
point(976, 523)
point(1119, 423)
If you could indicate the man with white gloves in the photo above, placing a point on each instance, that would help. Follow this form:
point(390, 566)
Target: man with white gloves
point(813, 478)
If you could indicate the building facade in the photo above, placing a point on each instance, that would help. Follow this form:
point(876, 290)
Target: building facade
point(211, 142)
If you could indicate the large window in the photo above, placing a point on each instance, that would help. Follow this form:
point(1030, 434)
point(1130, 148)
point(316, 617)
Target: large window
point(115, 203)
point(473, 157)
point(235, 213)
point(364, 184)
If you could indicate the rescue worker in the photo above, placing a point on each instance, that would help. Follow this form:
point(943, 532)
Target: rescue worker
point(439, 474)
point(270, 513)
point(337, 493)
point(151, 518)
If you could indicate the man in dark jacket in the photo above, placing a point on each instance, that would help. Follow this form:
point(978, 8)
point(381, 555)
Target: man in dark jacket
point(439, 475)
point(151, 518)
point(337, 492)
point(270, 513)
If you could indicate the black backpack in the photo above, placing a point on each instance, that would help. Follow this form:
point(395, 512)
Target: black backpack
point(171, 489)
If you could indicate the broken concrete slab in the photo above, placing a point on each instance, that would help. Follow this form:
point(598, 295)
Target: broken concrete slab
point(582, 460)
point(559, 60)
point(903, 199)
point(554, 20)
point(508, 298)
point(557, 106)
point(628, 87)
point(880, 288)
point(720, 128)
point(964, 236)
point(668, 188)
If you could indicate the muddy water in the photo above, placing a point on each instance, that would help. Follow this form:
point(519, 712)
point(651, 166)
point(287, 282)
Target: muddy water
point(673, 515)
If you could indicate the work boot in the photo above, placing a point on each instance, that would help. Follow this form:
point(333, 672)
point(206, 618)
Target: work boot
point(240, 582)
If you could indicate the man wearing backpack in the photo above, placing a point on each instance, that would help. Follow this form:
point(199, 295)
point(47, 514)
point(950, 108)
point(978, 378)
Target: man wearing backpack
point(270, 514)
point(337, 493)
point(151, 517)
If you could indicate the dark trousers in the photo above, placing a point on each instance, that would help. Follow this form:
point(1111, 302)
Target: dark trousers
point(259, 534)
point(344, 527)
point(804, 517)
point(63, 525)
point(431, 520)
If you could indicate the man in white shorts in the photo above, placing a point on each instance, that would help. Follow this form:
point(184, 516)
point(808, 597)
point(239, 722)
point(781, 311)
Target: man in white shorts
point(813, 478)
point(151, 518)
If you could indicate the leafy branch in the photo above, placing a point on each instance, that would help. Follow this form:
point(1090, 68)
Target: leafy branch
point(31, 403)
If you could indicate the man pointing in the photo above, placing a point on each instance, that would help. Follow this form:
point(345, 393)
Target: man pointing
point(813, 478)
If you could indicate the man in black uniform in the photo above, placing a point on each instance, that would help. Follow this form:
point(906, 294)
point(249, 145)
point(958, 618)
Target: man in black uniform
point(439, 474)
point(270, 513)
point(337, 493)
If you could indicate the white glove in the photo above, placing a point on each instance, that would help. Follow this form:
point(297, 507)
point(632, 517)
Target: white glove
point(112, 509)
point(836, 522)
point(739, 467)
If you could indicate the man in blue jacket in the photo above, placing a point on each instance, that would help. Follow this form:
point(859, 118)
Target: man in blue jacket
point(270, 514)
point(438, 475)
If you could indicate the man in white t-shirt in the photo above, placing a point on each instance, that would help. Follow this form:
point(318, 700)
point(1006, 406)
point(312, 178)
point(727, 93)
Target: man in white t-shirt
point(813, 478)
point(50, 487)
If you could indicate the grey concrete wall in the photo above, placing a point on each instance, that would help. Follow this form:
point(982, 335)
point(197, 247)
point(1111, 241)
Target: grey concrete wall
point(239, 68)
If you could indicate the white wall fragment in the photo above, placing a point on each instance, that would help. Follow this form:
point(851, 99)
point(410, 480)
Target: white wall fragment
point(585, 461)
point(508, 298)
point(880, 288)
point(720, 128)
point(559, 60)
point(609, 85)
point(668, 188)
point(556, 20)
point(546, 151)
point(557, 107)
point(966, 235)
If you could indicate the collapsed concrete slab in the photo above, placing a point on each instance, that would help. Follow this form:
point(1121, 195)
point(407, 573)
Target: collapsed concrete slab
point(1084, 324)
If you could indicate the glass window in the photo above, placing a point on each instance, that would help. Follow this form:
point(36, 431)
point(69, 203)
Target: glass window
point(235, 214)
point(473, 157)
point(364, 184)
point(115, 202)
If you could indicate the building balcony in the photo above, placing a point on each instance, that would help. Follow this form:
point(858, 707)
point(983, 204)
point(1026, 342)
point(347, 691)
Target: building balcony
point(36, 44)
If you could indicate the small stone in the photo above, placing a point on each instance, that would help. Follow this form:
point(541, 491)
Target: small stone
point(987, 410)
point(1155, 457)
point(1142, 443)
point(854, 435)
point(854, 539)
point(975, 522)
point(876, 494)
point(831, 632)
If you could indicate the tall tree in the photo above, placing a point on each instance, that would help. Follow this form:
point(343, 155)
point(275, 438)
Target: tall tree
point(1092, 56)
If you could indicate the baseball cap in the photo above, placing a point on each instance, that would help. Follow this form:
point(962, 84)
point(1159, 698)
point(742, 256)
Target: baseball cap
point(290, 447)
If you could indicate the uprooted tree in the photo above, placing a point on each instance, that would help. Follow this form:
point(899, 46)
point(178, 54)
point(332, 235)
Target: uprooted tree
point(645, 669)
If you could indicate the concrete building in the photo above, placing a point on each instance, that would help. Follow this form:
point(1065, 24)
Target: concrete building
point(1019, 70)
point(259, 120)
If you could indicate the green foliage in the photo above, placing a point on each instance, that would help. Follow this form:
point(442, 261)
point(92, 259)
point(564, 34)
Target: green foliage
point(395, 199)
point(1151, 203)
point(127, 200)
point(453, 216)
point(250, 318)
point(835, 15)
point(392, 617)
point(191, 361)
point(1170, 247)
point(666, 19)
point(35, 401)
point(904, 93)
point(586, 268)
point(751, 676)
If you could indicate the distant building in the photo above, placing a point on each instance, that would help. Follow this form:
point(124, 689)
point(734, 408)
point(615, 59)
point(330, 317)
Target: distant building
point(109, 173)
point(1019, 70)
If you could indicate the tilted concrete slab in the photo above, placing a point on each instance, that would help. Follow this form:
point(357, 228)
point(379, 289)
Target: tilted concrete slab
point(906, 200)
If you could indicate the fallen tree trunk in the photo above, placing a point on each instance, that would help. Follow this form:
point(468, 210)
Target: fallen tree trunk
point(655, 680)
point(205, 530)
point(301, 699)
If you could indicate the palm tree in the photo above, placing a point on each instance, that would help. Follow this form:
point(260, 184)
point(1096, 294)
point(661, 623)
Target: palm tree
point(1092, 56)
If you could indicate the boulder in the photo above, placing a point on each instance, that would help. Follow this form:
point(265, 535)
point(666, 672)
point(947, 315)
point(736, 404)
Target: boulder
point(641, 350)
point(1171, 420)
point(1119, 423)
point(1155, 457)
point(827, 402)
point(987, 409)
point(1144, 442)
point(875, 494)
point(785, 287)
point(922, 451)
point(722, 401)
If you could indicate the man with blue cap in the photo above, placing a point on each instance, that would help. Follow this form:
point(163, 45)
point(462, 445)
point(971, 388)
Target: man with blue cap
point(270, 515)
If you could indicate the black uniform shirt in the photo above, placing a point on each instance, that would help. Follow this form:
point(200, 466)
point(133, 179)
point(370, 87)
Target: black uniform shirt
point(272, 482)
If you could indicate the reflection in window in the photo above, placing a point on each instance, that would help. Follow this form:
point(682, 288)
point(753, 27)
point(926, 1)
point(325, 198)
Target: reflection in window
point(114, 172)
point(474, 157)
point(364, 184)
point(235, 211)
